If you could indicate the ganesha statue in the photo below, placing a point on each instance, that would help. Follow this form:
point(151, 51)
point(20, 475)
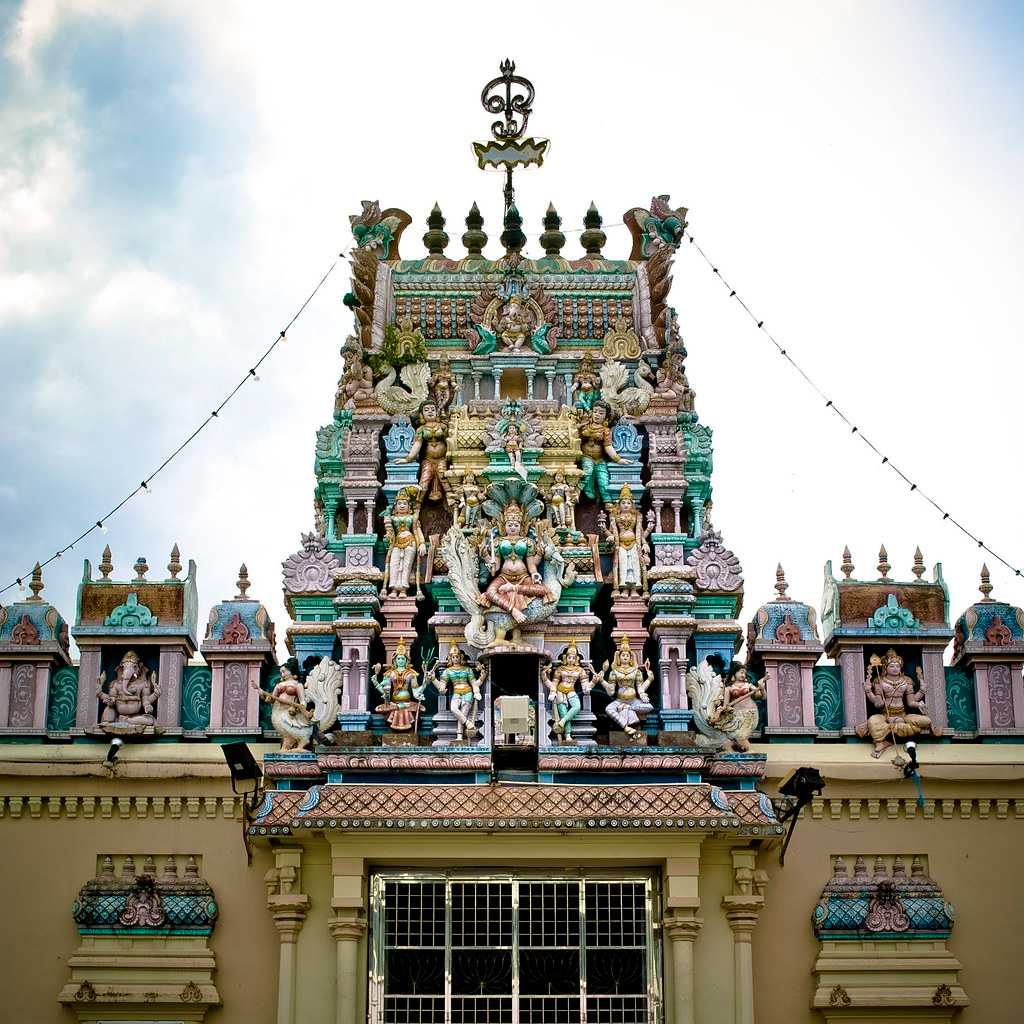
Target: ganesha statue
point(129, 701)
point(525, 571)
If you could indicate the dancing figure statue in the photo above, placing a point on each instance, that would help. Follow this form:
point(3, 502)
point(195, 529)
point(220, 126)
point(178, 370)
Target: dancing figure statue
point(402, 692)
point(466, 501)
point(405, 542)
point(627, 682)
point(561, 683)
point(562, 496)
point(465, 686)
point(586, 385)
point(901, 707)
point(525, 569)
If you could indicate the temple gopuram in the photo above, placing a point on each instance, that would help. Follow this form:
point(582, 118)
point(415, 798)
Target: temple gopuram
point(529, 758)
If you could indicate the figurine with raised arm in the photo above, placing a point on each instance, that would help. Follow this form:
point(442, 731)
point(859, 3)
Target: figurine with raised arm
point(402, 691)
point(465, 686)
point(626, 682)
point(442, 385)
point(596, 442)
point(901, 707)
point(628, 537)
point(405, 542)
point(561, 683)
point(129, 702)
point(562, 497)
point(431, 439)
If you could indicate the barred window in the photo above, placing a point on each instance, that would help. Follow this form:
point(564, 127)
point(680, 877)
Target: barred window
point(514, 948)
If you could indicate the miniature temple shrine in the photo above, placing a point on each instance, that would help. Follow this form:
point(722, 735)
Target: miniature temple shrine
point(512, 767)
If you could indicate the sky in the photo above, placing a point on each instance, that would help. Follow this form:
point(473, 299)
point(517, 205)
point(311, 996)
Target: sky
point(175, 179)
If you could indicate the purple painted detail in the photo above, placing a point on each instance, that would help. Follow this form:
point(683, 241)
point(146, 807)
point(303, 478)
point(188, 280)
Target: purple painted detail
point(790, 695)
point(1000, 696)
point(236, 694)
point(23, 696)
point(236, 631)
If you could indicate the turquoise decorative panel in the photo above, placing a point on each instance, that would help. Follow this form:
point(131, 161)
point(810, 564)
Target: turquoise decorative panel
point(63, 699)
point(828, 698)
point(961, 705)
point(195, 698)
point(265, 708)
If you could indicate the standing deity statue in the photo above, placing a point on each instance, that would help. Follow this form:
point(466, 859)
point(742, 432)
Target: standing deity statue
point(596, 442)
point(724, 712)
point(130, 699)
point(626, 682)
point(443, 386)
point(586, 385)
point(402, 692)
point(561, 684)
point(562, 497)
point(465, 685)
point(628, 537)
point(900, 703)
point(405, 542)
point(289, 716)
point(466, 501)
point(431, 439)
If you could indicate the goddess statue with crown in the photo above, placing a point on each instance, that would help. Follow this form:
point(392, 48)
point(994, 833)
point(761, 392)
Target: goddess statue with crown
point(466, 695)
point(626, 682)
point(525, 569)
point(402, 691)
point(628, 537)
point(404, 540)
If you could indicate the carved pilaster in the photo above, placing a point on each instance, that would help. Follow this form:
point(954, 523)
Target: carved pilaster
point(742, 908)
point(288, 906)
point(681, 929)
point(347, 928)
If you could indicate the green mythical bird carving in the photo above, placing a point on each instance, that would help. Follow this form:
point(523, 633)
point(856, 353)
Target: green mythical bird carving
point(525, 569)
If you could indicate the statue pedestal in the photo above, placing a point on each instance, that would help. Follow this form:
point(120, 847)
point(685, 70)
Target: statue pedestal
point(398, 615)
point(621, 739)
point(400, 739)
point(629, 613)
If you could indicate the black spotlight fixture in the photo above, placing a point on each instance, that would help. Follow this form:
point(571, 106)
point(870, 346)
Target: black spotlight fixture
point(243, 768)
point(112, 751)
point(799, 786)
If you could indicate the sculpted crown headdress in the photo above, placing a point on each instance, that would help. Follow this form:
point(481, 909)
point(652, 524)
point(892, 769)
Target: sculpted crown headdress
point(400, 650)
point(625, 493)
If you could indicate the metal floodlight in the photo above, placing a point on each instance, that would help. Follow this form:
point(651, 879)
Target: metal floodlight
point(800, 785)
point(242, 765)
point(115, 745)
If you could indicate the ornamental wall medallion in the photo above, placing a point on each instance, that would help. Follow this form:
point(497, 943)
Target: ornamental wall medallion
point(311, 570)
point(25, 632)
point(717, 568)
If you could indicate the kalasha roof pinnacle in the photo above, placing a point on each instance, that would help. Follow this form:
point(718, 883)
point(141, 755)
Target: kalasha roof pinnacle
point(847, 566)
point(883, 564)
point(36, 583)
point(141, 568)
point(781, 586)
point(918, 569)
point(436, 237)
point(985, 586)
point(243, 582)
point(474, 239)
point(593, 238)
point(552, 240)
point(106, 566)
point(174, 565)
point(512, 237)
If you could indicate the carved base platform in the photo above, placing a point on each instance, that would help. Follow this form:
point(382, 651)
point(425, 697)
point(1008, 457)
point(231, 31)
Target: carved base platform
point(676, 739)
point(400, 739)
point(360, 738)
point(622, 739)
point(124, 729)
point(508, 647)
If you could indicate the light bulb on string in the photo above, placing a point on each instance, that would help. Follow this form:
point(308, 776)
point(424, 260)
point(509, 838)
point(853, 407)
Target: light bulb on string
point(255, 376)
point(146, 488)
point(102, 526)
point(21, 584)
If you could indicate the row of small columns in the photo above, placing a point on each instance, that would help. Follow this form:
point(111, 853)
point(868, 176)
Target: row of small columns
point(495, 372)
point(352, 504)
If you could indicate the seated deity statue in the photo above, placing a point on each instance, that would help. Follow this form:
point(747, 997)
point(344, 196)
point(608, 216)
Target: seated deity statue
point(901, 704)
point(627, 682)
point(130, 699)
